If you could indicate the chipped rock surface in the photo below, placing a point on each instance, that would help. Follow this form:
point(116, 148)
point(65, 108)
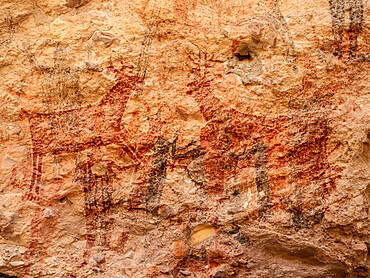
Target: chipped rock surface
point(184, 138)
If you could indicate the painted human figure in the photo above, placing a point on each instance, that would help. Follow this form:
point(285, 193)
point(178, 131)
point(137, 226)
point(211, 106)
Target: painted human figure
point(165, 149)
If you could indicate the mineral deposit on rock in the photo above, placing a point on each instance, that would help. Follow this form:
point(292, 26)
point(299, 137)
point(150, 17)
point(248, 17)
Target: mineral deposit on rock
point(184, 138)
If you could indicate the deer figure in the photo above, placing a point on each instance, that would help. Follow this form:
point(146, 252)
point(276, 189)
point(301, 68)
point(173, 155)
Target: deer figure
point(268, 144)
point(94, 125)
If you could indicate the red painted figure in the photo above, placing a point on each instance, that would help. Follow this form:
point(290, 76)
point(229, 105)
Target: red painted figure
point(284, 150)
point(83, 128)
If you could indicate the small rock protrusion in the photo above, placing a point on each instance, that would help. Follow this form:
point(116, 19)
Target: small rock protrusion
point(220, 274)
point(16, 263)
point(166, 211)
point(105, 37)
point(180, 249)
point(76, 3)
point(201, 233)
point(2, 263)
point(99, 258)
point(196, 170)
point(185, 272)
point(130, 255)
point(246, 64)
point(93, 66)
point(48, 213)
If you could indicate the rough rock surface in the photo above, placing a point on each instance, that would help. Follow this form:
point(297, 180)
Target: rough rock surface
point(184, 138)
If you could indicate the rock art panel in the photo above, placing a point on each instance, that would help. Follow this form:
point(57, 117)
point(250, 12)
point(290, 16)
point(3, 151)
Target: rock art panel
point(184, 138)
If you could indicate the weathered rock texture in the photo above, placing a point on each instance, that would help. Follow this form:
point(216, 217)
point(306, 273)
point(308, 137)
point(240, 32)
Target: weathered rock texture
point(184, 138)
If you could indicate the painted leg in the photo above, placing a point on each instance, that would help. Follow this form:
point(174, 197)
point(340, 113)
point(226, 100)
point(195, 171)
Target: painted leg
point(337, 14)
point(128, 148)
point(35, 177)
point(356, 15)
point(34, 171)
point(157, 175)
point(260, 152)
point(214, 163)
point(38, 177)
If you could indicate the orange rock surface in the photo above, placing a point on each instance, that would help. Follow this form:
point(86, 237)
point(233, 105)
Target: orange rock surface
point(184, 138)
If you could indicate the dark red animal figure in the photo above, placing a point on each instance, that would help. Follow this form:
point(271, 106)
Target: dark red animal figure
point(283, 150)
point(83, 128)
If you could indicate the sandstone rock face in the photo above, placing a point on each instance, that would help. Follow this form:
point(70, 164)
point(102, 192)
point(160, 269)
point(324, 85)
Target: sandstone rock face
point(184, 138)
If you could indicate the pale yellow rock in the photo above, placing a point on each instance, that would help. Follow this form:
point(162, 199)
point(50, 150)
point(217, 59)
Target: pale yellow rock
point(201, 232)
point(99, 168)
point(52, 7)
point(59, 29)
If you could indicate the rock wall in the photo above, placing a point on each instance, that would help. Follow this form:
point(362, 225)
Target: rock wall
point(184, 138)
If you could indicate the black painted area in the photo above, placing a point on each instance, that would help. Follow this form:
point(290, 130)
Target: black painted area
point(242, 238)
point(301, 217)
point(356, 19)
point(163, 150)
point(262, 179)
point(305, 220)
point(157, 174)
point(98, 190)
